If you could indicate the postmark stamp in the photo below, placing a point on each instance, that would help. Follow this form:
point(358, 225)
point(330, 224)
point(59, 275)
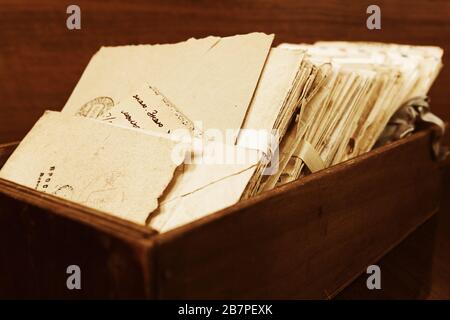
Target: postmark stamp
point(96, 108)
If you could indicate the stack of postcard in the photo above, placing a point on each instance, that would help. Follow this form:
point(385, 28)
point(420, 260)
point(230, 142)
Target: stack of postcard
point(165, 134)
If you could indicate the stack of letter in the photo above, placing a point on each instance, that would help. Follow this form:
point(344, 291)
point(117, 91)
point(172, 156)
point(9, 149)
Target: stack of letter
point(162, 135)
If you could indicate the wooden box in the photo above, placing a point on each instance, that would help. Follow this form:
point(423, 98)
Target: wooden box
point(307, 239)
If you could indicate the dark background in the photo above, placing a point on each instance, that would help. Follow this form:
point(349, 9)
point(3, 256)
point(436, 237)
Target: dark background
point(41, 62)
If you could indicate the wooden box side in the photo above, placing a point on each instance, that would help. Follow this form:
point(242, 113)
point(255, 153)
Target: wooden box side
point(307, 239)
point(41, 236)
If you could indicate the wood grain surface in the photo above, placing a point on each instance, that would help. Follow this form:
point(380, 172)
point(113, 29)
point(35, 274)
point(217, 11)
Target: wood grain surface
point(308, 239)
point(419, 268)
point(41, 60)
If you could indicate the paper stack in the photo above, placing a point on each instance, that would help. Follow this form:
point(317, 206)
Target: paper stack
point(163, 135)
point(365, 84)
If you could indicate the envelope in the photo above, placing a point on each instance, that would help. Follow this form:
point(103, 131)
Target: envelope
point(216, 170)
point(119, 171)
point(211, 80)
point(147, 108)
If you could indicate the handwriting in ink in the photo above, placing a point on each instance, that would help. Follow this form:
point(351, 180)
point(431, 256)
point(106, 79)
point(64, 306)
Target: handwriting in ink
point(46, 180)
point(178, 114)
point(152, 115)
point(131, 121)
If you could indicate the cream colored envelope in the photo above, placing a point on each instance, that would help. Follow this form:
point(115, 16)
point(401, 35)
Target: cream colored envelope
point(119, 171)
point(204, 201)
point(276, 88)
point(273, 105)
point(211, 80)
point(147, 108)
point(201, 189)
point(216, 171)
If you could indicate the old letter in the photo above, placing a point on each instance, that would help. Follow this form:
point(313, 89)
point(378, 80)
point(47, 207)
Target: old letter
point(116, 170)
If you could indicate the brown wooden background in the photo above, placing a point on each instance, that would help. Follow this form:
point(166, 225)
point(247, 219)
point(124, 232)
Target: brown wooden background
point(41, 61)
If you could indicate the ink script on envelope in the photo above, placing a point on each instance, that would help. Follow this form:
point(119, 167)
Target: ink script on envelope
point(115, 170)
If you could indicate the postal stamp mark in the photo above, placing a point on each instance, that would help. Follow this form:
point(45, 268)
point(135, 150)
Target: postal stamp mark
point(96, 108)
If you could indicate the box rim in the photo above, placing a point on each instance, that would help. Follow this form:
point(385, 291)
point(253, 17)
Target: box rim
point(105, 221)
point(177, 232)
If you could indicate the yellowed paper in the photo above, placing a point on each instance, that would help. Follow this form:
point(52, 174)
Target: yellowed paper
point(216, 182)
point(116, 170)
point(212, 168)
point(369, 82)
point(211, 80)
point(206, 200)
point(273, 106)
point(147, 108)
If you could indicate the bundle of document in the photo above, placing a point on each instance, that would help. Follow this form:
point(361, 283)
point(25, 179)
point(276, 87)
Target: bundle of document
point(162, 135)
point(365, 85)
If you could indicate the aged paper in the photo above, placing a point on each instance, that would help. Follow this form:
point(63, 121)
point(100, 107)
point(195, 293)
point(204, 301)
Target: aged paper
point(211, 80)
point(116, 170)
point(147, 108)
point(208, 199)
point(212, 169)
point(368, 83)
point(202, 189)
point(271, 103)
point(273, 106)
point(276, 98)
